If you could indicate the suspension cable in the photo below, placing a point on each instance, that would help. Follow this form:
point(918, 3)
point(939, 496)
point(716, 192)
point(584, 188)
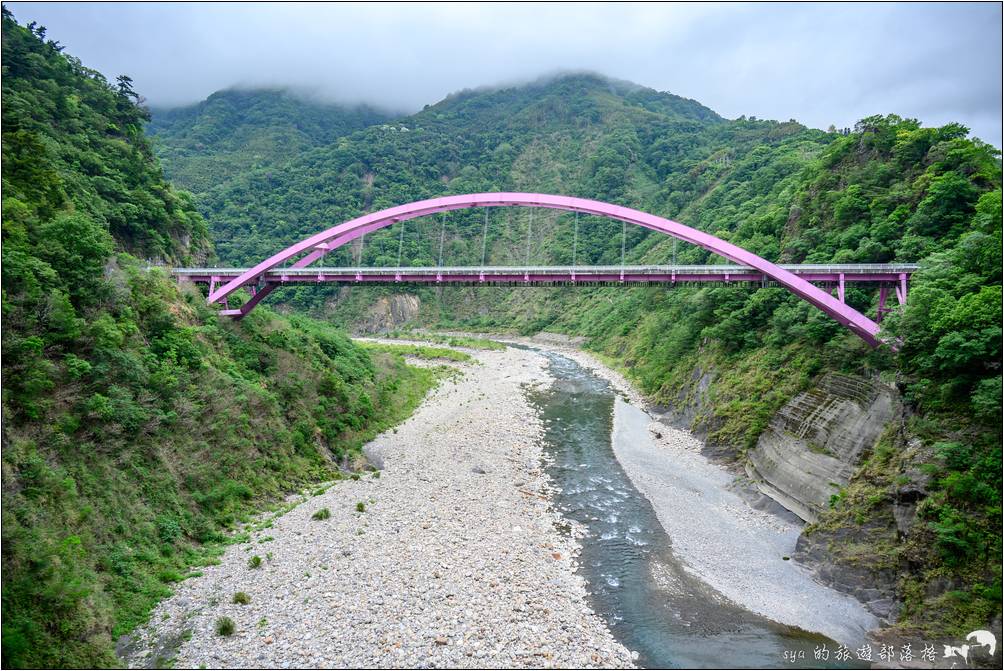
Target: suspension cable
point(484, 240)
point(529, 228)
point(575, 243)
point(623, 243)
point(442, 237)
point(400, 245)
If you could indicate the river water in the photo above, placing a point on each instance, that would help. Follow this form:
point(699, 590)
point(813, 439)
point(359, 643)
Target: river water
point(650, 602)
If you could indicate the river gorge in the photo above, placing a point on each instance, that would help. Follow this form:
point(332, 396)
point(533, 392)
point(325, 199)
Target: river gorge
point(530, 513)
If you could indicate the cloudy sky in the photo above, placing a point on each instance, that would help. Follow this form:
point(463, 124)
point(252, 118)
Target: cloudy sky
point(817, 63)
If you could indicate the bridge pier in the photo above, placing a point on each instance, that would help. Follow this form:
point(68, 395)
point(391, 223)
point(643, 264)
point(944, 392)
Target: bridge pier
point(901, 289)
point(882, 309)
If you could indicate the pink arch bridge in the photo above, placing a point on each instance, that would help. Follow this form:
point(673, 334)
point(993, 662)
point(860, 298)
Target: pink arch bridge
point(271, 273)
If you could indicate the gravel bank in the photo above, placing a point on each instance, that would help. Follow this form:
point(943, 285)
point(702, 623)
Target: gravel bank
point(734, 548)
point(454, 562)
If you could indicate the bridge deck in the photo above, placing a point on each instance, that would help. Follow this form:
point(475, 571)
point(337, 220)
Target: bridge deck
point(555, 274)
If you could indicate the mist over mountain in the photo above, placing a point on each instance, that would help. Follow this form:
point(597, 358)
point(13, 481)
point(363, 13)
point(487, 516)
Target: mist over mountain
point(243, 129)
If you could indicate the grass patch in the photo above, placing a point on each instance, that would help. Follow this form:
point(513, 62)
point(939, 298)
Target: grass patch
point(419, 351)
point(225, 626)
point(360, 507)
point(321, 514)
point(469, 342)
point(242, 598)
point(254, 562)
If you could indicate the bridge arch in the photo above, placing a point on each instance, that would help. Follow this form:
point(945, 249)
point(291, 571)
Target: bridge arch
point(316, 246)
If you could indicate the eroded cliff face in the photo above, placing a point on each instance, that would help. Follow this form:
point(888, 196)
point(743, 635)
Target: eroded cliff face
point(389, 312)
point(814, 444)
point(687, 410)
point(817, 446)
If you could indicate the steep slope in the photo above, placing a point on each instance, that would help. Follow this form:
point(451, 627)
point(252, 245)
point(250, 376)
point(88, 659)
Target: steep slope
point(137, 428)
point(234, 131)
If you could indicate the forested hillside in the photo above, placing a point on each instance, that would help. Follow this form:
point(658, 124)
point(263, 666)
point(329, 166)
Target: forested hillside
point(887, 190)
point(137, 427)
point(234, 131)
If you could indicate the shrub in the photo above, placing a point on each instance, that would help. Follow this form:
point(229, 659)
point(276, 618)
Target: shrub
point(225, 626)
point(254, 562)
point(242, 598)
point(361, 507)
point(321, 514)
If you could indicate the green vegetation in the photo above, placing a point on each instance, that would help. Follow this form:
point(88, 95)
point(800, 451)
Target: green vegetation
point(418, 351)
point(139, 428)
point(361, 507)
point(321, 514)
point(225, 626)
point(254, 562)
point(242, 598)
point(451, 340)
point(246, 130)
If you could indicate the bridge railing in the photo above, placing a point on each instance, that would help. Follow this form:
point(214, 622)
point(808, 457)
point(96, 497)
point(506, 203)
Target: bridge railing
point(892, 270)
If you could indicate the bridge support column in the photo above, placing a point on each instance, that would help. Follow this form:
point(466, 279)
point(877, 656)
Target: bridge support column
point(212, 283)
point(901, 289)
point(840, 288)
point(883, 295)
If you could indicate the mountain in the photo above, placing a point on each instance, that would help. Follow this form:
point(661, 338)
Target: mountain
point(234, 131)
point(890, 189)
point(579, 134)
point(138, 428)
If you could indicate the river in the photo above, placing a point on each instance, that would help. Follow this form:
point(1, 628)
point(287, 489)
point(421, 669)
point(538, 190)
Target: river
point(651, 602)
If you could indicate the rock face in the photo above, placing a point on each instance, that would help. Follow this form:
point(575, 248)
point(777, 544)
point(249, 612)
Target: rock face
point(390, 312)
point(867, 576)
point(687, 408)
point(813, 444)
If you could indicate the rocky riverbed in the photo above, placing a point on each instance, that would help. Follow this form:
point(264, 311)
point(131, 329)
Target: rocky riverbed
point(451, 557)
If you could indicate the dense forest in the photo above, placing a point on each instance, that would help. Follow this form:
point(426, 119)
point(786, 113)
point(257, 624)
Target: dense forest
point(889, 189)
point(138, 428)
point(232, 132)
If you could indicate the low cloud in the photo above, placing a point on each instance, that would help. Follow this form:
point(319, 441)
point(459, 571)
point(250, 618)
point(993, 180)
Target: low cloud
point(817, 63)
